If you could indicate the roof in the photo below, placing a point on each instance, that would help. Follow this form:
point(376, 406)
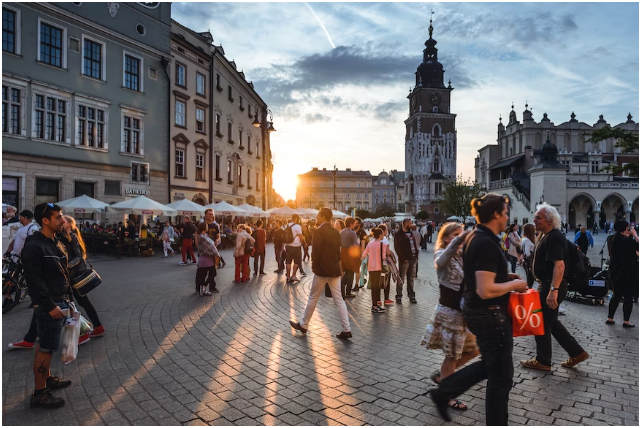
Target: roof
point(399, 176)
point(340, 173)
point(507, 161)
point(436, 176)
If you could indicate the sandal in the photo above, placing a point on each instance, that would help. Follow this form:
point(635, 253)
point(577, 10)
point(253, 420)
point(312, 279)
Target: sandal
point(628, 325)
point(457, 405)
point(436, 375)
point(610, 322)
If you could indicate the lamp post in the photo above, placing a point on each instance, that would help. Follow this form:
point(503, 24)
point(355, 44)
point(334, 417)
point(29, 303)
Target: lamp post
point(334, 187)
point(267, 128)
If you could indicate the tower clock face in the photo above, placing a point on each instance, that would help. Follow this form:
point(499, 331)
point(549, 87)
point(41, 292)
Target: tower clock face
point(435, 98)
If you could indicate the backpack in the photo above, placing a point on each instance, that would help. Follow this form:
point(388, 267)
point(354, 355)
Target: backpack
point(577, 263)
point(249, 247)
point(505, 242)
point(288, 236)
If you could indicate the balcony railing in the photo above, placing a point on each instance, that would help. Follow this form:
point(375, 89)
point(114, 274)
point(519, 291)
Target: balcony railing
point(501, 184)
point(602, 185)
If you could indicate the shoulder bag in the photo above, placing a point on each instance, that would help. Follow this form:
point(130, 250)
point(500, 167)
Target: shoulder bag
point(86, 281)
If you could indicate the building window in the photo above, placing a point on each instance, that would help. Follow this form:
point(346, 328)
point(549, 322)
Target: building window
point(180, 74)
point(84, 188)
point(258, 154)
point(92, 59)
point(91, 127)
point(229, 133)
point(218, 168)
point(595, 167)
point(229, 93)
point(140, 173)
point(9, 30)
point(436, 210)
point(239, 175)
point(132, 142)
point(200, 84)
point(51, 45)
point(229, 172)
point(218, 125)
point(180, 163)
point(249, 145)
point(47, 191)
point(241, 103)
point(50, 118)
point(218, 83)
point(132, 79)
point(249, 186)
point(179, 118)
point(200, 167)
point(257, 181)
point(435, 165)
point(112, 187)
point(241, 139)
point(200, 120)
point(11, 110)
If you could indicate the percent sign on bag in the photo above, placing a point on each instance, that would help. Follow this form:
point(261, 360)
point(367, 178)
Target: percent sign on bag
point(526, 311)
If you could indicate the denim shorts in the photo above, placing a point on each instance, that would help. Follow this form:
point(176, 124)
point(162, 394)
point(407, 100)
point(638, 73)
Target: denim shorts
point(49, 329)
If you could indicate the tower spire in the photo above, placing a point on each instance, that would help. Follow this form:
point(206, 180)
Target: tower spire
point(430, 28)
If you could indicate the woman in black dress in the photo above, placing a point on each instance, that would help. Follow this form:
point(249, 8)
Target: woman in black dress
point(624, 270)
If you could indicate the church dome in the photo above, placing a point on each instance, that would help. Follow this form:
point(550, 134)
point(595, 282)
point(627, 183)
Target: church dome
point(548, 152)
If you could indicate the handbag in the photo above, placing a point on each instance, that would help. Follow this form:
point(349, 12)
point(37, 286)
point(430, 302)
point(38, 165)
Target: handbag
point(525, 310)
point(384, 268)
point(86, 281)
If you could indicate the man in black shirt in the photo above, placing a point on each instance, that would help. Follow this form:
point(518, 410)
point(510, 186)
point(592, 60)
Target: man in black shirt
point(487, 285)
point(45, 265)
point(548, 268)
point(277, 235)
point(407, 248)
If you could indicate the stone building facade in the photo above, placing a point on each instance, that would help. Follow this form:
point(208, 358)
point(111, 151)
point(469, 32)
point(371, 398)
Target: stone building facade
point(84, 101)
point(316, 189)
point(580, 189)
point(431, 136)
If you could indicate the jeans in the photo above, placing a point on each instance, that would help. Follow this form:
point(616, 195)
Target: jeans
point(187, 248)
point(513, 262)
point(49, 329)
point(318, 288)
point(242, 268)
point(495, 340)
point(407, 271)
point(167, 246)
point(615, 302)
point(553, 327)
point(256, 261)
point(346, 282)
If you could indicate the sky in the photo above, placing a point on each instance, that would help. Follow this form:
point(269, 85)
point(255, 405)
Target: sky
point(336, 75)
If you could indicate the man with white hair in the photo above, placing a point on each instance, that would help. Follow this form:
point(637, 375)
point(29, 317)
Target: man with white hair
point(548, 269)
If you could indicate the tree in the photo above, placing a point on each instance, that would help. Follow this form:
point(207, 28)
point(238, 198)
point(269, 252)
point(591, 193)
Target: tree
point(291, 203)
point(363, 214)
point(422, 215)
point(385, 210)
point(457, 196)
point(628, 141)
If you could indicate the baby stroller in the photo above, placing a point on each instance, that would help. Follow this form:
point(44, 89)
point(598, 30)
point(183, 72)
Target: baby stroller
point(589, 286)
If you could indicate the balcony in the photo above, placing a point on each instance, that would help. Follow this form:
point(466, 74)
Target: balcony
point(501, 184)
point(601, 185)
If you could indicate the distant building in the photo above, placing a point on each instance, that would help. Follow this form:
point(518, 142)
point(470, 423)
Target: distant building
point(316, 189)
point(84, 101)
point(384, 191)
point(534, 162)
point(431, 136)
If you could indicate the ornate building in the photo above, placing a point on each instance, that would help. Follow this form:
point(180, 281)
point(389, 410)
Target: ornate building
point(431, 137)
point(534, 162)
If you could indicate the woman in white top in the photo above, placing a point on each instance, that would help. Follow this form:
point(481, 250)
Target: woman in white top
point(447, 329)
point(386, 286)
point(528, 246)
point(514, 240)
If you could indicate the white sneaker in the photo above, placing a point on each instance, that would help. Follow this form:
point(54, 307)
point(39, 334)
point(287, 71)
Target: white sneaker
point(202, 290)
point(561, 310)
point(182, 264)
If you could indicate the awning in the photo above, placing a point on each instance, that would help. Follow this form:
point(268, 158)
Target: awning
point(507, 162)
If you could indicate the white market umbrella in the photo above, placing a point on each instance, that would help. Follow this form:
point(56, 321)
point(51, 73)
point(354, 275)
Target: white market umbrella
point(307, 212)
point(223, 208)
point(187, 207)
point(141, 205)
point(253, 211)
point(282, 212)
point(339, 214)
point(454, 218)
point(82, 205)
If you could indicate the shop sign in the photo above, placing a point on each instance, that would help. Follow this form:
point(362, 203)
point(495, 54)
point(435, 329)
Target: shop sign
point(9, 184)
point(79, 210)
point(147, 212)
point(179, 196)
point(188, 213)
point(135, 191)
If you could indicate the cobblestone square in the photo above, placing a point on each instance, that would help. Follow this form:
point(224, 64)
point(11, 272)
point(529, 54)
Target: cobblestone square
point(171, 357)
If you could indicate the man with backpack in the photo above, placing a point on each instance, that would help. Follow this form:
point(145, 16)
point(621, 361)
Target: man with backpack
point(550, 270)
point(293, 239)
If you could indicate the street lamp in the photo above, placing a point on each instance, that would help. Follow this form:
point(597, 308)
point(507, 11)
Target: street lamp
point(334, 187)
point(257, 124)
point(268, 128)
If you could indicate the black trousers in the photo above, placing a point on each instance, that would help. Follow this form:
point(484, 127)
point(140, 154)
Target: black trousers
point(205, 276)
point(626, 292)
point(495, 340)
point(553, 327)
point(346, 282)
point(256, 261)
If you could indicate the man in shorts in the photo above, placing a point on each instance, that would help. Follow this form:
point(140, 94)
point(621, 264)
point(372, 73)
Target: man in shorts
point(293, 249)
point(45, 263)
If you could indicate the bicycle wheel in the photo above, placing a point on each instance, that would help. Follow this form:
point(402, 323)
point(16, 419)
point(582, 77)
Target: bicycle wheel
point(10, 288)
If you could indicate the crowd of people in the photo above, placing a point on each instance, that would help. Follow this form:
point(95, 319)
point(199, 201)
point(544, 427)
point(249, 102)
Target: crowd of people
point(470, 318)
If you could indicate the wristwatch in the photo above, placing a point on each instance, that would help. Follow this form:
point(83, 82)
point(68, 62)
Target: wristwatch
point(553, 288)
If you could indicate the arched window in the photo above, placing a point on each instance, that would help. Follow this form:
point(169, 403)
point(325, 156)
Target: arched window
point(365, 206)
point(436, 130)
point(436, 166)
point(358, 205)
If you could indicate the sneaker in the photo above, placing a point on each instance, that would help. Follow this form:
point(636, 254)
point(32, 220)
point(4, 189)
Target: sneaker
point(83, 339)
point(46, 400)
point(382, 308)
point(379, 303)
point(561, 310)
point(207, 293)
point(294, 279)
point(376, 310)
point(413, 300)
point(277, 271)
point(23, 344)
point(262, 273)
point(254, 274)
point(215, 290)
point(182, 264)
point(388, 302)
point(534, 364)
point(398, 299)
point(54, 382)
point(201, 290)
point(97, 331)
point(344, 335)
point(573, 361)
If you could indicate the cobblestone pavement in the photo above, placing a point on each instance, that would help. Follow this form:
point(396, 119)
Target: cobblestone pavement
point(171, 357)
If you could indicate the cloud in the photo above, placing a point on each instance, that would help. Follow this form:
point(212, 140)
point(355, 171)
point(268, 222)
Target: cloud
point(318, 117)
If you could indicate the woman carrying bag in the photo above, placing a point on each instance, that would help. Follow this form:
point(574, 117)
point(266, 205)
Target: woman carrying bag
point(82, 275)
point(205, 283)
point(376, 251)
point(242, 251)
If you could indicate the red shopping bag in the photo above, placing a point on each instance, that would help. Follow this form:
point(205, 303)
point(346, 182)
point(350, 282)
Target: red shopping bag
point(526, 313)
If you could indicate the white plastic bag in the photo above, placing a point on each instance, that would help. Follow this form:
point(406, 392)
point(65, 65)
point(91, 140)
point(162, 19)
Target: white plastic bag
point(70, 335)
point(85, 326)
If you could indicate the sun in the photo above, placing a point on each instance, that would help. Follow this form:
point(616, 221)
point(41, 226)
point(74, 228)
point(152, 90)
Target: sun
point(285, 181)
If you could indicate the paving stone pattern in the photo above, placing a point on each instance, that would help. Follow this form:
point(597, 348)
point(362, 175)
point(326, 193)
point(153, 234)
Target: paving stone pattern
point(171, 357)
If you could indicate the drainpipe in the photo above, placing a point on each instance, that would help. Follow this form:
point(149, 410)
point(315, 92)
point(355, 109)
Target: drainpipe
point(164, 63)
point(211, 127)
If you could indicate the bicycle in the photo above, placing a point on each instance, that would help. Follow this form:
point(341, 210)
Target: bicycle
point(14, 286)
